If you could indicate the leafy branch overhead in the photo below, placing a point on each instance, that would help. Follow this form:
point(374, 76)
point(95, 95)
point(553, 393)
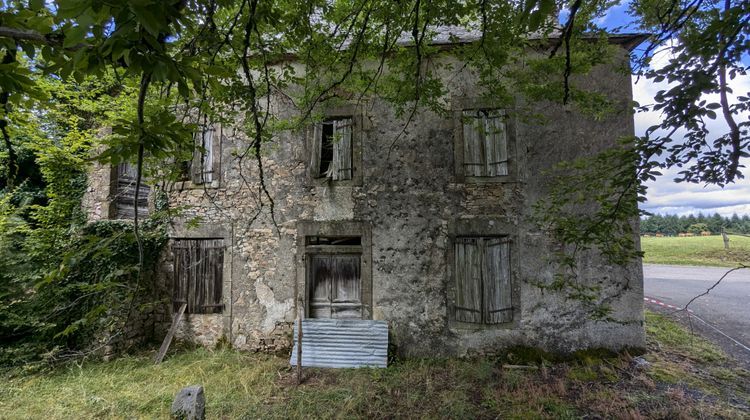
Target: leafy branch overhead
point(152, 70)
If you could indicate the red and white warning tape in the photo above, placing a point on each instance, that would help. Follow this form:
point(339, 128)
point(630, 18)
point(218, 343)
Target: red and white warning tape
point(666, 305)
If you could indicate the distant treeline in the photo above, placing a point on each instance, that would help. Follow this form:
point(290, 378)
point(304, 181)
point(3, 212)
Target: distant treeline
point(674, 225)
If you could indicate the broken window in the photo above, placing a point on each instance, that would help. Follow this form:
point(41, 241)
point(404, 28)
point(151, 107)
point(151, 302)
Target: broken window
point(332, 149)
point(485, 143)
point(334, 280)
point(203, 162)
point(483, 285)
point(124, 197)
point(198, 270)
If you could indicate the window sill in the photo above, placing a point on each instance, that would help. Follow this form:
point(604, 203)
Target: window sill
point(190, 185)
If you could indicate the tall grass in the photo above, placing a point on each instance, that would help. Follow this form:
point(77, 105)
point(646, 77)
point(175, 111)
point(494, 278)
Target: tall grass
point(242, 385)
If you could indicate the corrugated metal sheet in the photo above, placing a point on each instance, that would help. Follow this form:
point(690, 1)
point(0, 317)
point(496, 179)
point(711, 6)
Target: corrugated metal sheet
point(342, 343)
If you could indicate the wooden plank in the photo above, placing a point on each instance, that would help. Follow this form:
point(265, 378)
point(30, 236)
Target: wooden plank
point(468, 303)
point(168, 339)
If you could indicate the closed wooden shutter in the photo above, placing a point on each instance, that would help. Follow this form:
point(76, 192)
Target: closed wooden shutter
point(335, 286)
point(125, 193)
point(498, 306)
point(341, 167)
point(468, 263)
point(496, 143)
point(198, 275)
point(474, 162)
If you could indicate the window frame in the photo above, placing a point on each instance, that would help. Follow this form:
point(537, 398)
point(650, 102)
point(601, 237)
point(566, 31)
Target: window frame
point(220, 307)
point(359, 229)
point(191, 179)
point(357, 137)
point(115, 201)
point(459, 106)
point(484, 227)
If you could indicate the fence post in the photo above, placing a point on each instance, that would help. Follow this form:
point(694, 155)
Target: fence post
point(726, 238)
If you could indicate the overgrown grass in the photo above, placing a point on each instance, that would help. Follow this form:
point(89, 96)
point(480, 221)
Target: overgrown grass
point(688, 378)
point(696, 250)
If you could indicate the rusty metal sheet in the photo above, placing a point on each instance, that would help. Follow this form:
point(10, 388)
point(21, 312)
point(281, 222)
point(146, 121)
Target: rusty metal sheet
point(342, 343)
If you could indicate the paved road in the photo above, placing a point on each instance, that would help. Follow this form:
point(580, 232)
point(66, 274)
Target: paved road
point(726, 307)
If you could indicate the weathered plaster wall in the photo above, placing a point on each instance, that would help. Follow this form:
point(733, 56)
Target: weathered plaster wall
point(414, 206)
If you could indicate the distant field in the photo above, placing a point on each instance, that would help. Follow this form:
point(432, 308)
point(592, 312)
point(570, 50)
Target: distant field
point(696, 250)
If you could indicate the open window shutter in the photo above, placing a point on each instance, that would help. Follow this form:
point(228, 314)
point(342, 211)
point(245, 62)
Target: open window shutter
point(342, 149)
point(125, 193)
point(495, 144)
point(473, 157)
point(207, 155)
point(315, 146)
point(468, 304)
point(496, 281)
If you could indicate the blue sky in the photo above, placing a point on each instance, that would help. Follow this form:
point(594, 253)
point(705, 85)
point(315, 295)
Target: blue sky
point(664, 195)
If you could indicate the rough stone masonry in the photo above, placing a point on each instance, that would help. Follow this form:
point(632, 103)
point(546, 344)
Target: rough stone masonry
point(409, 236)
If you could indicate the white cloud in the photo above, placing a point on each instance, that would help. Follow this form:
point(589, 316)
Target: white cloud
point(664, 195)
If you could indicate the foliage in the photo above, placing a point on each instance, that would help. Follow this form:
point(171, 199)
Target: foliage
point(671, 225)
point(62, 284)
point(180, 63)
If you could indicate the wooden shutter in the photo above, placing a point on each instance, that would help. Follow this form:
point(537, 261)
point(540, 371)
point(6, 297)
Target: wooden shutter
point(345, 287)
point(315, 149)
point(498, 306)
point(125, 193)
point(495, 143)
point(341, 166)
point(203, 165)
point(198, 273)
point(335, 286)
point(468, 262)
point(320, 286)
point(474, 164)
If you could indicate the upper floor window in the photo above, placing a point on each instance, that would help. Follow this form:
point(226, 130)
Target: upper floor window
point(485, 143)
point(332, 149)
point(203, 161)
point(124, 193)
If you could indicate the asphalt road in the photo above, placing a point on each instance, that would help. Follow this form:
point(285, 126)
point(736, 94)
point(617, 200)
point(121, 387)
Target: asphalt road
point(726, 309)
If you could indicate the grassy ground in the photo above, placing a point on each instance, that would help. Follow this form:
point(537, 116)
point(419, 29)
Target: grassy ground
point(696, 250)
point(688, 378)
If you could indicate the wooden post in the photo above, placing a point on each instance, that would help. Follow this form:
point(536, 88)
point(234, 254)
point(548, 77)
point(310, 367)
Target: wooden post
point(299, 346)
point(726, 238)
point(168, 339)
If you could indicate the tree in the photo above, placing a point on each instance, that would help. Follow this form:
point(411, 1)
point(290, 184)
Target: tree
point(224, 58)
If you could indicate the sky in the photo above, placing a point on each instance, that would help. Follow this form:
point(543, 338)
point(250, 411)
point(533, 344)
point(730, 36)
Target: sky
point(664, 196)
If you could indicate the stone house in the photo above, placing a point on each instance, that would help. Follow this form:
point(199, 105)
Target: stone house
point(431, 232)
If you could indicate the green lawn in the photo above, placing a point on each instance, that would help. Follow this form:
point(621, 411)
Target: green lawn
point(688, 378)
point(696, 250)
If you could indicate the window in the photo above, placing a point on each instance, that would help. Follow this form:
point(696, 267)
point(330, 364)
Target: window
point(334, 280)
point(483, 293)
point(124, 197)
point(203, 162)
point(485, 143)
point(332, 149)
point(198, 269)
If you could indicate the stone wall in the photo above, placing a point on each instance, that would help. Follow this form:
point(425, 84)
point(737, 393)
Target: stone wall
point(409, 197)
